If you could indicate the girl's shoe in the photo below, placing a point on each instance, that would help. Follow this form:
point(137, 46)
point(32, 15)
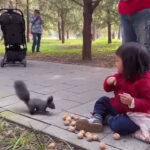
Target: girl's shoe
point(90, 125)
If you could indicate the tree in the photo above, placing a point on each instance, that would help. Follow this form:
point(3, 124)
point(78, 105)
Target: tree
point(88, 8)
point(59, 28)
point(107, 16)
point(60, 9)
point(4, 4)
point(74, 20)
point(16, 3)
point(58, 15)
point(62, 14)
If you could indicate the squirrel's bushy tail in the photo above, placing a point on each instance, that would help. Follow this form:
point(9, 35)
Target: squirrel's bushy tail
point(22, 91)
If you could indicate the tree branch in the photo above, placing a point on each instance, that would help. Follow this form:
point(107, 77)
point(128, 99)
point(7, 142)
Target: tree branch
point(78, 3)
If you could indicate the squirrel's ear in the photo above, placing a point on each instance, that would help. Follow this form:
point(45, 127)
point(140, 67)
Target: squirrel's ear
point(50, 99)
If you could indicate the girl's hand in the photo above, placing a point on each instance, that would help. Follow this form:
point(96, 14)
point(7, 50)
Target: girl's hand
point(111, 81)
point(126, 99)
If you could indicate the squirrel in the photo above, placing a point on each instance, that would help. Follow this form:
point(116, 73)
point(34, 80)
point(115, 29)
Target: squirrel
point(34, 105)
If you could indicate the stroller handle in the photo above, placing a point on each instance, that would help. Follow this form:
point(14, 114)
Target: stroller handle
point(11, 10)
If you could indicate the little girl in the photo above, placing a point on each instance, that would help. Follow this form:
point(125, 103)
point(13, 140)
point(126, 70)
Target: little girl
point(131, 86)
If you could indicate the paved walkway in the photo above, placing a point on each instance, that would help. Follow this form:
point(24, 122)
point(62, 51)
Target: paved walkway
point(75, 89)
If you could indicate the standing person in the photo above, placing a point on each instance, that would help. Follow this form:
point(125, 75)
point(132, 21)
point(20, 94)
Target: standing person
point(135, 21)
point(36, 30)
point(131, 86)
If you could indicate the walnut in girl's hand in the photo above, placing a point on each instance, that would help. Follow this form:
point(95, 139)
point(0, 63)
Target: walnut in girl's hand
point(111, 81)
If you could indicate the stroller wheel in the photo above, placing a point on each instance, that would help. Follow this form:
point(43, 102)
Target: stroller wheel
point(2, 63)
point(24, 62)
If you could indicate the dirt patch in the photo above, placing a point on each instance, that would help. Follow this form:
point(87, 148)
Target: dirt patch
point(98, 60)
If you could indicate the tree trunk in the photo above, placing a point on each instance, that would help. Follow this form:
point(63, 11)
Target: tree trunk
point(109, 32)
point(62, 26)
point(113, 35)
point(93, 31)
point(119, 33)
point(88, 8)
point(59, 30)
point(59, 27)
point(2, 37)
point(97, 33)
point(28, 39)
point(87, 36)
point(10, 4)
point(16, 4)
point(67, 33)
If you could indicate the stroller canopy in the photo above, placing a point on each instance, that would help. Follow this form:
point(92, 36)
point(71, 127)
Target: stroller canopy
point(13, 27)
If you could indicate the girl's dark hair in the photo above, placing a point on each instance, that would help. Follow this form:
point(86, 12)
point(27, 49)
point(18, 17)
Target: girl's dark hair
point(135, 58)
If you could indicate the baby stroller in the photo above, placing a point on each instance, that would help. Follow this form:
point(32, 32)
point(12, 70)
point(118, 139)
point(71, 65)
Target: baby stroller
point(13, 27)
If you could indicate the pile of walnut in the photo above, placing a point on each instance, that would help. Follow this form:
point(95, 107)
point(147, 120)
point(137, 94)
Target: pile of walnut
point(70, 120)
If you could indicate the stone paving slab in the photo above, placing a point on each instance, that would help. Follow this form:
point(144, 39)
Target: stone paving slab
point(6, 91)
point(9, 100)
point(53, 88)
point(13, 99)
point(2, 109)
point(126, 143)
point(75, 89)
point(86, 108)
point(57, 121)
point(21, 108)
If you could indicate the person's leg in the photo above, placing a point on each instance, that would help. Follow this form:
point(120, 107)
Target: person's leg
point(102, 108)
point(38, 42)
point(34, 41)
point(122, 124)
point(141, 22)
point(128, 33)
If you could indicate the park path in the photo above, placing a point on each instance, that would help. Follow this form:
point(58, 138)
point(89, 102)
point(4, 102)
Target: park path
point(75, 89)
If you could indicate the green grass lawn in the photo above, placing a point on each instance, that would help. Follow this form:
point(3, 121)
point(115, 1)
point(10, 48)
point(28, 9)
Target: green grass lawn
point(71, 52)
point(55, 47)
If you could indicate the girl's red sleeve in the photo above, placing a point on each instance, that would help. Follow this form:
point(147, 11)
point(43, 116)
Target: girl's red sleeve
point(109, 88)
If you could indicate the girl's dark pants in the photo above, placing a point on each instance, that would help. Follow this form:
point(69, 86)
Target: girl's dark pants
point(119, 123)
